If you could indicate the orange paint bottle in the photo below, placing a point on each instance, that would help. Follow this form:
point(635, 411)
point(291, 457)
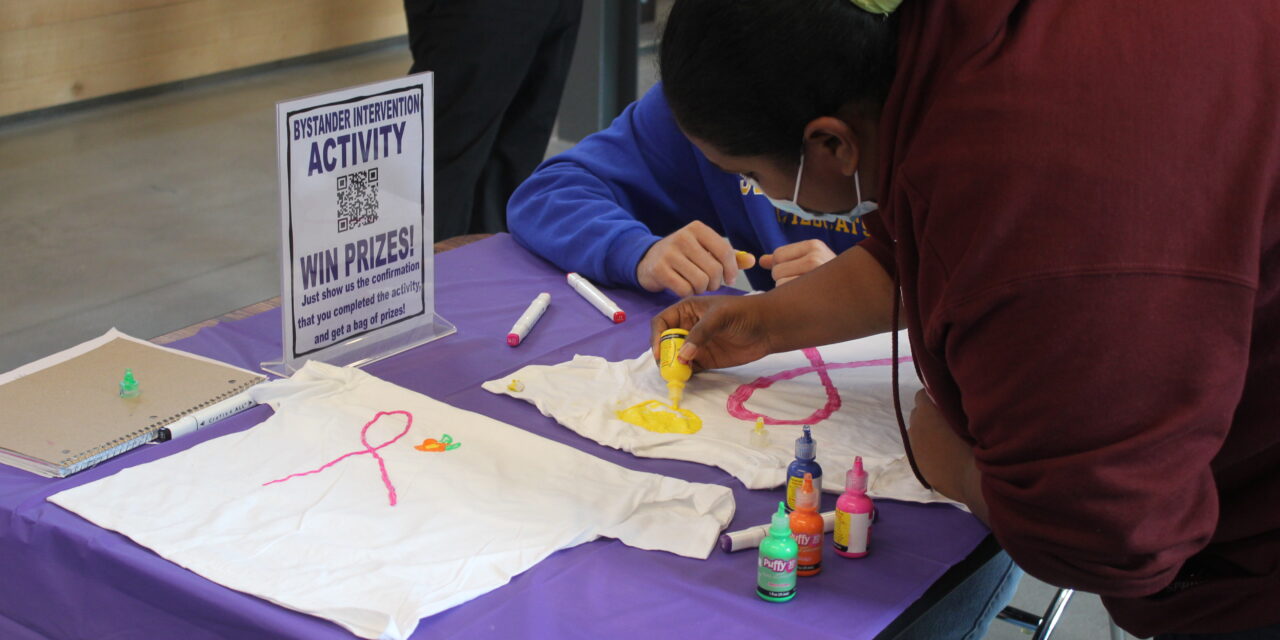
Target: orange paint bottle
point(807, 529)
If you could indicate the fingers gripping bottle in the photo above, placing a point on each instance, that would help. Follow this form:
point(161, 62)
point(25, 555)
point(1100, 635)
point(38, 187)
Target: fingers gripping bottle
point(676, 373)
point(806, 450)
point(807, 529)
point(776, 569)
point(853, 514)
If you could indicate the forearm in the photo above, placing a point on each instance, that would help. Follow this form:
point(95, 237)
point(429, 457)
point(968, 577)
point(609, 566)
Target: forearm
point(965, 487)
point(847, 298)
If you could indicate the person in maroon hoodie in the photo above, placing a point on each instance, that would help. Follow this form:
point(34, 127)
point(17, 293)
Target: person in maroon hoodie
point(1079, 226)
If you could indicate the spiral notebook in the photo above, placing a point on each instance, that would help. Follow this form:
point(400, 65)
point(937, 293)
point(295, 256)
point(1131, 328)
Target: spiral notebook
point(64, 413)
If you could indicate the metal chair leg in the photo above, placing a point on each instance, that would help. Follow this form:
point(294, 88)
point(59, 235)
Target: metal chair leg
point(1041, 626)
point(1019, 618)
point(1053, 614)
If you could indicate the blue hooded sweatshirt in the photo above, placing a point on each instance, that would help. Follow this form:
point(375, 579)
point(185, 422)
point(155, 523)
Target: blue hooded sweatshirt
point(598, 207)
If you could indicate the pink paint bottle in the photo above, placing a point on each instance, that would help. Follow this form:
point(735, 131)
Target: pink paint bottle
point(853, 514)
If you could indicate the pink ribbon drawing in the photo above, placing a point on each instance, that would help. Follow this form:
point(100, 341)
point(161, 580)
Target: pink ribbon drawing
point(737, 400)
point(371, 450)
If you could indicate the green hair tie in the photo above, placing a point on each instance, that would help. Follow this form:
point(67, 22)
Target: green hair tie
point(883, 7)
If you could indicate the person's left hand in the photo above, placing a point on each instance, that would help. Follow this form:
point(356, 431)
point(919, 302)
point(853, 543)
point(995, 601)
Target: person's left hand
point(943, 457)
point(790, 261)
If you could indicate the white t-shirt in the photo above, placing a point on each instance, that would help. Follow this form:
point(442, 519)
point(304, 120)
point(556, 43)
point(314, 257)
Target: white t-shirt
point(300, 511)
point(850, 411)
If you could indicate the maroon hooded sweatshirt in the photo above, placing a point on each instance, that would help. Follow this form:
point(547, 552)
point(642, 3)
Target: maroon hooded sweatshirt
point(1081, 199)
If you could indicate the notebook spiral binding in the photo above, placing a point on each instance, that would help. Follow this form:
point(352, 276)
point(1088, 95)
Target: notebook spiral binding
point(85, 459)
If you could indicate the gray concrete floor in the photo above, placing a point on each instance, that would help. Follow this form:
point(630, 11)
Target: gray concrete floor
point(154, 213)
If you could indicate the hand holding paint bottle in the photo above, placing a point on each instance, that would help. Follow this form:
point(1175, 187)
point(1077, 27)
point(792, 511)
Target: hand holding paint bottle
point(853, 514)
point(776, 569)
point(675, 372)
point(691, 260)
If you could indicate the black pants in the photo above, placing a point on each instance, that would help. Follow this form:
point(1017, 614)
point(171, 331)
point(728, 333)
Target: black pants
point(500, 68)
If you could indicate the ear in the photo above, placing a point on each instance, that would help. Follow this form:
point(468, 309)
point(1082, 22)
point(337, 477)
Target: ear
point(831, 140)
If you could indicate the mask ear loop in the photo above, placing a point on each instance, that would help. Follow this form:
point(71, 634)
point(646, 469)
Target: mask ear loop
point(857, 188)
point(795, 195)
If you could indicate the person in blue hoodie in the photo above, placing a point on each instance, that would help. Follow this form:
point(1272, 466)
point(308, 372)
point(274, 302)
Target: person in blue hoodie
point(637, 205)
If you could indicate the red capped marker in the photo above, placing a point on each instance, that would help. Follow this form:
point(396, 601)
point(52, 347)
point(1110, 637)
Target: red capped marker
point(528, 319)
point(596, 298)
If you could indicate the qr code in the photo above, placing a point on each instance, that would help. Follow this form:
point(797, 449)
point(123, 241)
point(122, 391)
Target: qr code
point(357, 199)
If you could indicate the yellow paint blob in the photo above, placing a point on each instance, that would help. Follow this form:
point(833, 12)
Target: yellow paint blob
point(660, 418)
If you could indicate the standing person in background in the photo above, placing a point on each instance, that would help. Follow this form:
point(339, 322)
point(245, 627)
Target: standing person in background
point(500, 68)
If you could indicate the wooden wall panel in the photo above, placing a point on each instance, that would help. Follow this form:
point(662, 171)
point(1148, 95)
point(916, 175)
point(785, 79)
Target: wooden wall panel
point(58, 51)
point(24, 14)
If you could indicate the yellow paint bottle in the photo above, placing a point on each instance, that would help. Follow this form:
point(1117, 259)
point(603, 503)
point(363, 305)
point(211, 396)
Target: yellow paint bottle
point(676, 373)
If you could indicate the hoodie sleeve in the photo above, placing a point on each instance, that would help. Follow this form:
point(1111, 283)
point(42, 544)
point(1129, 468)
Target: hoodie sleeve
point(598, 207)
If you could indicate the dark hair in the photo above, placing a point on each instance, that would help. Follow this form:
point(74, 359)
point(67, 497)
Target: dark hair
point(746, 76)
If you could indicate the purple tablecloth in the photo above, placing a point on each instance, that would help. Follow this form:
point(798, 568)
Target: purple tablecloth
point(62, 577)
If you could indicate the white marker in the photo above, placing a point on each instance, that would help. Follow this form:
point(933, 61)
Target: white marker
point(528, 319)
point(750, 537)
point(597, 299)
point(202, 418)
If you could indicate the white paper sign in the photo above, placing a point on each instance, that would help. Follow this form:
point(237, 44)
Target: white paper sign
point(355, 196)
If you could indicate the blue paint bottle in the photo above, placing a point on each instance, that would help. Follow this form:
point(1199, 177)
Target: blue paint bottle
point(806, 451)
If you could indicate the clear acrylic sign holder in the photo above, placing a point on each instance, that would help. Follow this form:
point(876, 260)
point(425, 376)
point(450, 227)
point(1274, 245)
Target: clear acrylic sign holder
point(357, 266)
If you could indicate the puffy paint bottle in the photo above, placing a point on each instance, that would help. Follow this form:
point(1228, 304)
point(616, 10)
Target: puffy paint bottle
point(759, 438)
point(806, 450)
point(807, 529)
point(776, 569)
point(853, 514)
point(676, 373)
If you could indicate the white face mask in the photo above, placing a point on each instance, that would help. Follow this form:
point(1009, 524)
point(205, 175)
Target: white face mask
point(793, 207)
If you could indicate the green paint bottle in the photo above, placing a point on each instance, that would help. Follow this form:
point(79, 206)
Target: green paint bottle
point(776, 570)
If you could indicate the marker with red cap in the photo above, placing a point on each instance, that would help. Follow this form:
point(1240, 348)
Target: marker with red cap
point(528, 319)
point(597, 299)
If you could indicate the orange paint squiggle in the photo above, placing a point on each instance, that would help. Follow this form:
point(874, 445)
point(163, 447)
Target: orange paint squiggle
point(445, 443)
